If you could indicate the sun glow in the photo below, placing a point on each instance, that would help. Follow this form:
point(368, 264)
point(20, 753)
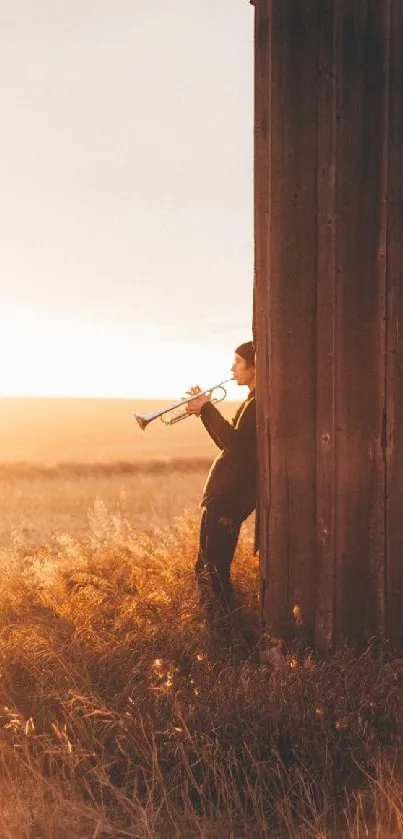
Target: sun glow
point(66, 358)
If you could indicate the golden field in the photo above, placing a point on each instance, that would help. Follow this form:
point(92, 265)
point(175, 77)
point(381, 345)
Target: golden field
point(50, 431)
point(58, 456)
point(125, 709)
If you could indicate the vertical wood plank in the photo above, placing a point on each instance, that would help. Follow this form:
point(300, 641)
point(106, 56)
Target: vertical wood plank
point(292, 315)
point(379, 568)
point(276, 594)
point(360, 319)
point(394, 388)
point(326, 314)
point(261, 312)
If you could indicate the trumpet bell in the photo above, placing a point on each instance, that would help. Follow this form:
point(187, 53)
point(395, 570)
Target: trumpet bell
point(142, 420)
point(177, 412)
point(168, 416)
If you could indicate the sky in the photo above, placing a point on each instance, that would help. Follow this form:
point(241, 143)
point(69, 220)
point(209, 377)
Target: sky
point(126, 172)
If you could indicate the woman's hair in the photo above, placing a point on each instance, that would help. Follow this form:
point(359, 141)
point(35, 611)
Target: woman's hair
point(247, 352)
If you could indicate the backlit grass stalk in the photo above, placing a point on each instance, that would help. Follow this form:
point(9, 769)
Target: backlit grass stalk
point(124, 712)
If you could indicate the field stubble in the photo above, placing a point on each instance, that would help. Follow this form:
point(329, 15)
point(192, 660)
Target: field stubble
point(124, 712)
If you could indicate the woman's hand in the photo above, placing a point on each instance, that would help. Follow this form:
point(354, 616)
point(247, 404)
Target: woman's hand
point(195, 406)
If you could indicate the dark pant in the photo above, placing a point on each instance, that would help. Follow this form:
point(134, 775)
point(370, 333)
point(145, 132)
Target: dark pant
point(218, 540)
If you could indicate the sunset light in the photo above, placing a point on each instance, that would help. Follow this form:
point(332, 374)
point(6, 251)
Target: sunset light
point(126, 246)
point(201, 419)
point(44, 357)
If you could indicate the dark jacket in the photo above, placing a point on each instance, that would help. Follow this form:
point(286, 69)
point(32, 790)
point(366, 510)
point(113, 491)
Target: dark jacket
point(231, 483)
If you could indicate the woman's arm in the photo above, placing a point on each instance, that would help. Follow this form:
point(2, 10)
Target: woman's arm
point(227, 435)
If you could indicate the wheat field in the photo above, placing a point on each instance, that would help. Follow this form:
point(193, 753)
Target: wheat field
point(58, 457)
point(125, 709)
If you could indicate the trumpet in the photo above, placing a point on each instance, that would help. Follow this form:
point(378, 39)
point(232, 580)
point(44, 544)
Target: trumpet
point(175, 412)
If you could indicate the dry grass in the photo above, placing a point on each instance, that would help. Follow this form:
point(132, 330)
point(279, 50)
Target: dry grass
point(57, 456)
point(37, 504)
point(124, 712)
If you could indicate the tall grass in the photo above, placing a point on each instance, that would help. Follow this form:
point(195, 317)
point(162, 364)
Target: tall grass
point(126, 712)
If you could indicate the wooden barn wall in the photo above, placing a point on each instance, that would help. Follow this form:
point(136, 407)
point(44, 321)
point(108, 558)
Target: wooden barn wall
point(394, 368)
point(361, 101)
point(287, 249)
point(260, 290)
point(325, 218)
point(328, 303)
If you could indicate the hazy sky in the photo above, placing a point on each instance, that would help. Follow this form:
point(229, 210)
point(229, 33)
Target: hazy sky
point(126, 221)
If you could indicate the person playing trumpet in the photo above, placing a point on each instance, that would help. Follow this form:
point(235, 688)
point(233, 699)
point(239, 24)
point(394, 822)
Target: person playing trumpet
point(229, 494)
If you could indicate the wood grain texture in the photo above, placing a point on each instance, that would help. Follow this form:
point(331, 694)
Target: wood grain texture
point(328, 304)
point(394, 371)
point(326, 330)
point(360, 318)
point(261, 289)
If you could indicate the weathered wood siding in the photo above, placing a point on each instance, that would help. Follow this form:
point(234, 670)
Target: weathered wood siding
point(394, 345)
point(328, 304)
